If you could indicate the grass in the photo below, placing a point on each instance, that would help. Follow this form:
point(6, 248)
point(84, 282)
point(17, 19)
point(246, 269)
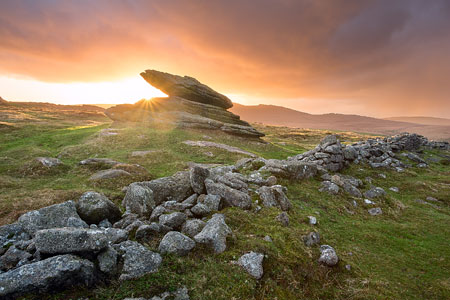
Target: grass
point(402, 254)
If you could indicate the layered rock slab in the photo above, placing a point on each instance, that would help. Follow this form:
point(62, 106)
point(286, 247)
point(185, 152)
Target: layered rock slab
point(186, 87)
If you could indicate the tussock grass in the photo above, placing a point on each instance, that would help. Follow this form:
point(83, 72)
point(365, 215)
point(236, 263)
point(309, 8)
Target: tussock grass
point(402, 254)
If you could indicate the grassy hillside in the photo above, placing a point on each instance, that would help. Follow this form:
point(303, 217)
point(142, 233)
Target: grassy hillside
point(402, 254)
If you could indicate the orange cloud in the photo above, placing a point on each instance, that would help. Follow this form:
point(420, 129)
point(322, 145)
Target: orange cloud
point(385, 57)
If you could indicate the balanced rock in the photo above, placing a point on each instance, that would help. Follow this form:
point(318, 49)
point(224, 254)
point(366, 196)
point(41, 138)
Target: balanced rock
point(186, 87)
point(190, 104)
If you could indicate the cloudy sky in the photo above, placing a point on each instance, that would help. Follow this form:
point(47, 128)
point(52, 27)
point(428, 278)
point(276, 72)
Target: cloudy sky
point(371, 57)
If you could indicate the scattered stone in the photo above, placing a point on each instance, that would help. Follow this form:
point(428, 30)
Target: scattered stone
point(109, 174)
point(283, 218)
point(312, 220)
point(177, 243)
point(192, 227)
point(99, 162)
point(329, 187)
point(252, 263)
point(432, 199)
point(93, 207)
point(394, 189)
point(48, 162)
point(368, 202)
point(311, 239)
point(328, 256)
point(225, 147)
point(138, 260)
point(375, 192)
point(214, 233)
point(54, 216)
point(51, 274)
point(139, 200)
point(375, 211)
point(142, 153)
point(180, 294)
point(267, 238)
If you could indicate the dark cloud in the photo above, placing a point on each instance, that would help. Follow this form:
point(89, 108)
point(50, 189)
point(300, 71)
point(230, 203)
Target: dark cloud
point(386, 55)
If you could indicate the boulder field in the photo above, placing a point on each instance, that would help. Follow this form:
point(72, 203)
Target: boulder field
point(93, 240)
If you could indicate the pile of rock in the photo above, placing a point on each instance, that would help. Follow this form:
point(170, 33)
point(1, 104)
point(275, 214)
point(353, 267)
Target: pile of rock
point(80, 243)
point(190, 104)
point(378, 153)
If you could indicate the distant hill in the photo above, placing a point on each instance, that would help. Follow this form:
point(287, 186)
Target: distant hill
point(422, 120)
point(278, 115)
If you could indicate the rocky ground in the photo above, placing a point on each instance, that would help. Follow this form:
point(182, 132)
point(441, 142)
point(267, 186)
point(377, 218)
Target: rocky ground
point(99, 211)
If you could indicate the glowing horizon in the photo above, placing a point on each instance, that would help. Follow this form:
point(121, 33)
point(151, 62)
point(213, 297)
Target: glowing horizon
point(369, 57)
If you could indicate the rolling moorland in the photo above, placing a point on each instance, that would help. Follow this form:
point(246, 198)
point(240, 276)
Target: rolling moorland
point(433, 128)
point(401, 254)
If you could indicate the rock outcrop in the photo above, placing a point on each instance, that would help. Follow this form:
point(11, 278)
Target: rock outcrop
point(186, 87)
point(190, 104)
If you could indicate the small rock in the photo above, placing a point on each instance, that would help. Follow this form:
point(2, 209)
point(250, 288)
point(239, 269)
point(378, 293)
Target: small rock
point(268, 239)
point(48, 162)
point(368, 202)
point(93, 207)
point(283, 218)
point(375, 211)
point(54, 216)
point(51, 274)
point(375, 192)
point(70, 240)
point(138, 260)
point(192, 227)
point(174, 220)
point(197, 176)
point(312, 220)
point(109, 174)
point(329, 187)
point(176, 242)
point(105, 224)
point(328, 256)
point(311, 239)
point(394, 189)
point(201, 210)
point(107, 260)
point(214, 233)
point(252, 263)
point(139, 200)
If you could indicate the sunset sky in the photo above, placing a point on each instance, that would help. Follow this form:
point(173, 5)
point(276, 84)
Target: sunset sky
point(373, 57)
